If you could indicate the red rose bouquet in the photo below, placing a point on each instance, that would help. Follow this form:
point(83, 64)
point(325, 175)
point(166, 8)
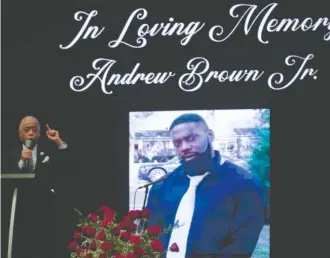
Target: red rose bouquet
point(101, 236)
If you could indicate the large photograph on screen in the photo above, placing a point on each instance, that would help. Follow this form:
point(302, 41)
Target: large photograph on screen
point(240, 136)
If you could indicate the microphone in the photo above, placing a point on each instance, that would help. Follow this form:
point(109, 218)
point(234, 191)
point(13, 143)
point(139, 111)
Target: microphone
point(153, 183)
point(146, 186)
point(28, 144)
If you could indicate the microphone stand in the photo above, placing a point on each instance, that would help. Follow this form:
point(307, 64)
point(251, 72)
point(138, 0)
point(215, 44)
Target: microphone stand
point(145, 197)
point(141, 227)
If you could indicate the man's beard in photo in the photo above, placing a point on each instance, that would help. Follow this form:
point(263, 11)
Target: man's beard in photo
point(202, 163)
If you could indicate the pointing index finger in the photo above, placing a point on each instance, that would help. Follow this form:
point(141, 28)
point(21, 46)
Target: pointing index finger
point(47, 127)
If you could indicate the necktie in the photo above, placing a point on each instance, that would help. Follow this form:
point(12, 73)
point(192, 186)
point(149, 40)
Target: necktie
point(29, 165)
point(183, 218)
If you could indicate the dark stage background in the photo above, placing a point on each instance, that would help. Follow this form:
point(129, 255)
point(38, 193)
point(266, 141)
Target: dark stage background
point(35, 80)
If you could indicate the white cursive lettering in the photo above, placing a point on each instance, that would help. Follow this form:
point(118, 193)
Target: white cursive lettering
point(103, 67)
point(267, 24)
point(199, 67)
point(85, 31)
point(163, 29)
point(276, 79)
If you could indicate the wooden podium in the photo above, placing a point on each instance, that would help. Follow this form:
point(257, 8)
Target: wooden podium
point(16, 178)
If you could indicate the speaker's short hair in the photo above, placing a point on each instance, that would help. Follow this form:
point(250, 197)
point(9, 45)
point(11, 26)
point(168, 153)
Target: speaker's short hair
point(24, 119)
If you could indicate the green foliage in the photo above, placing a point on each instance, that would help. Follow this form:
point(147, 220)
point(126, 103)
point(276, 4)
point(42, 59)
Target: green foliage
point(259, 162)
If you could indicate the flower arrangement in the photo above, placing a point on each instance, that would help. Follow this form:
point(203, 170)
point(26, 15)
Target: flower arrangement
point(99, 235)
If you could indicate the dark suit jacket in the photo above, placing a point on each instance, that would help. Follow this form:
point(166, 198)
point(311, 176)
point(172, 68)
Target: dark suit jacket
point(42, 216)
point(48, 174)
point(229, 211)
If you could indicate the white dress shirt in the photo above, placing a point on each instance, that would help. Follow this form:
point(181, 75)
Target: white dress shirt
point(34, 155)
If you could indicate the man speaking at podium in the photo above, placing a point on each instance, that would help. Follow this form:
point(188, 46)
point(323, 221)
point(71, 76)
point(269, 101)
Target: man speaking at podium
point(216, 207)
point(32, 157)
point(35, 214)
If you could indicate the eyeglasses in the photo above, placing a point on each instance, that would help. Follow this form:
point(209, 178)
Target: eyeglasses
point(27, 129)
